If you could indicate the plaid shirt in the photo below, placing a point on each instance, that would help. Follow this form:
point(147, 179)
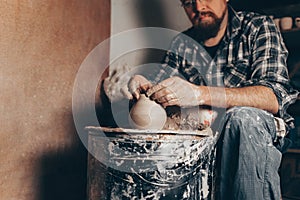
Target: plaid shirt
point(251, 53)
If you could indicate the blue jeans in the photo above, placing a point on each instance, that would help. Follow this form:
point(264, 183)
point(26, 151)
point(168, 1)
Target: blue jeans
point(248, 162)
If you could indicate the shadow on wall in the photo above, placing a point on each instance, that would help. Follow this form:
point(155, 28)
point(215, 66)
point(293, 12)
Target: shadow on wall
point(151, 13)
point(62, 174)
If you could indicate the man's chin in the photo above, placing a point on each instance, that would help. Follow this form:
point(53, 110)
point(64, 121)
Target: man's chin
point(203, 27)
point(205, 32)
point(204, 24)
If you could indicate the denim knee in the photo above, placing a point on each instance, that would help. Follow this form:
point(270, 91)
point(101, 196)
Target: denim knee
point(248, 159)
point(253, 118)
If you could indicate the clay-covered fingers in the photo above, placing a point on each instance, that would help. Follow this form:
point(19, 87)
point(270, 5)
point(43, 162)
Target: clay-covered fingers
point(164, 96)
point(164, 85)
point(175, 91)
point(168, 100)
point(164, 93)
point(124, 91)
point(138, 84)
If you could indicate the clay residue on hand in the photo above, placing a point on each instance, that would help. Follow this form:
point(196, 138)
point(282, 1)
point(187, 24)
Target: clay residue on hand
point(177, 118)
point(117, 79)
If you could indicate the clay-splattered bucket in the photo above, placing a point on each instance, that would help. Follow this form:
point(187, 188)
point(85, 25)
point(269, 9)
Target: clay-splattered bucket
point(136, 164)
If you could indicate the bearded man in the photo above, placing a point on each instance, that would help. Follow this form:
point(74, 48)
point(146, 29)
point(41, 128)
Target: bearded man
point(249, 79)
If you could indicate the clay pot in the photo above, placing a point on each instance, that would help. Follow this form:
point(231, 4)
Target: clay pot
point(147, 114)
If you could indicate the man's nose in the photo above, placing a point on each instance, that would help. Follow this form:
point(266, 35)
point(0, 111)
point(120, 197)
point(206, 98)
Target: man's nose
point(199, 5)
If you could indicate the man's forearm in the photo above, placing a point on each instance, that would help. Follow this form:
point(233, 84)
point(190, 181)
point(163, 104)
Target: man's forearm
point(253, 96)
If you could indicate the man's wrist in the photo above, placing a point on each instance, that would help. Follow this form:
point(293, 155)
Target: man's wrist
point(200, 94)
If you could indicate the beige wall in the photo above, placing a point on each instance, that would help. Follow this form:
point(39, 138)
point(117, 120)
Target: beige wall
point(42, 44)
point(131, 14)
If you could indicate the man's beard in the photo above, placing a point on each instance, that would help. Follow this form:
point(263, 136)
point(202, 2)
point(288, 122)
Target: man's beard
point(205, 31)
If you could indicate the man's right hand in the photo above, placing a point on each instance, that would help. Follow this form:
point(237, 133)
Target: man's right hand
point(136, 85)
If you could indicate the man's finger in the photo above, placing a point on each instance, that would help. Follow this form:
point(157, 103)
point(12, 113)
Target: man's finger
point(136, 94)
point(126, 93)
point(161, 85)
point(133, 86)
point(153, 89)
point(172, 102)
point(146, 86)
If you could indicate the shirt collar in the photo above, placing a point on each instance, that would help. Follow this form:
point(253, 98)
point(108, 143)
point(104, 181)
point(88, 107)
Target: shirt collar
point(234, 23)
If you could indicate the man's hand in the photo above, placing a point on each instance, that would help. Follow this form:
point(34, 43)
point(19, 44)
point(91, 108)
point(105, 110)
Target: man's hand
point(176, 91)
point(136, 85)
